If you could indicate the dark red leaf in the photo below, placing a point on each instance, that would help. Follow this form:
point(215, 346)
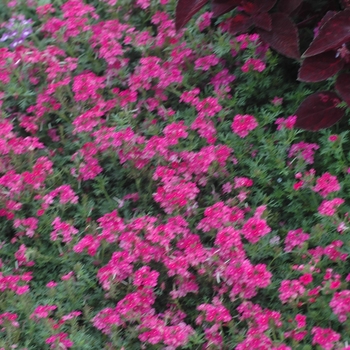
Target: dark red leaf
point(219, 7)
point(240, 23)
point(283, 36)
point(326, 18)
point(319, 111)
point(342, 85)
point(263, 20)
point(332, 34)
point(288, 6)
point(346, 3)
point(249, 7)
point(254, 7)
point(264, 6)
point(320, 67)
point(185, 9)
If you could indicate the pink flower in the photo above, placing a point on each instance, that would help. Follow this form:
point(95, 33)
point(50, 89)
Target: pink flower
point(242, 124)
point(227, 238)
point(183, 285)
point(254, 229)
point(30, 225)
point(298, 185)
point(62, 339)
point(144, 4)
point(277, 101)
point(67, 276)
point(325, 337)
point(326, 184)
point(127, 97)
point(213, 336)
point(328, 208)
point(259, 211)
point(21, 257)
point(190, 97)
point(215, 313)
point(155, 331)
point(301, 320)
point(87, 121)
point(217, 215)
point(226, 187)
point(70, 316)
point(303, 150)
point(340, 304)
point(342, 227)
point(105, 319)
point(244, 278)
point(290, 290)
point(22, 290)
point(335, 284)
point(44, 10)
point(253, 63)
point(243, 182)
point(333, 253)
point(306, 279)
point(222, 81)
point(175, 193)
point(209, 106)
point(286, 123)
point(204, 63)
point(295, 238)
point(255, 340)
point(64, 229)
point(146, 277)
point(174, 131)
point(204, 20)
point(86, 84)
point(42, 311)
point(206, 129)
point(90, 242)
point(298, 336)
point(118, 268)
point(177, 335)
point(51, 284)
point(333, 138)
point(8, 316)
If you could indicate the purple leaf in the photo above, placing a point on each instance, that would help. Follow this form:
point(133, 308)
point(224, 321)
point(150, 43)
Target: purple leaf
point(219, 7)
point(342, 85)
point(332, 34)
point(254, 7)
point(283, 36)
point(264, 6)
point(185, 9)
point(288, 6)
point(263, 21)
point(326, 18)
point(345, 3)
point(320, 67)
point(240, 23)
point(319, 111)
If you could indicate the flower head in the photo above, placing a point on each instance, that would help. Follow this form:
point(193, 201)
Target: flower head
point(243, 124)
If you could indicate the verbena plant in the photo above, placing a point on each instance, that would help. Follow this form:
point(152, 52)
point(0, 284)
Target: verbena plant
point(324, 30)
point(154, 191)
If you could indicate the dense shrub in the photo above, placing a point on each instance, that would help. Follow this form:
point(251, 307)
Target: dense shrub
point(154, 191)
point(280, 24)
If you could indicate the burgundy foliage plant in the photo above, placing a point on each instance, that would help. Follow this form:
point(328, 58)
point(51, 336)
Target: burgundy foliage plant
point(278, 24)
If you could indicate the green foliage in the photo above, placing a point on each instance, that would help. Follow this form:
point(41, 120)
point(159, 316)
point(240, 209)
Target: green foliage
point(262, 156)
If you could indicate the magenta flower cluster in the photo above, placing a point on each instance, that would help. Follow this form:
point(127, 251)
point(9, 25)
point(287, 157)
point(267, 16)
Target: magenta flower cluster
point(193, 269)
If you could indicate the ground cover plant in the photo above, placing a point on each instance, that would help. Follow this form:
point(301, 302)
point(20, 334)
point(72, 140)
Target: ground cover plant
point(155, 193)
point(324, 30)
